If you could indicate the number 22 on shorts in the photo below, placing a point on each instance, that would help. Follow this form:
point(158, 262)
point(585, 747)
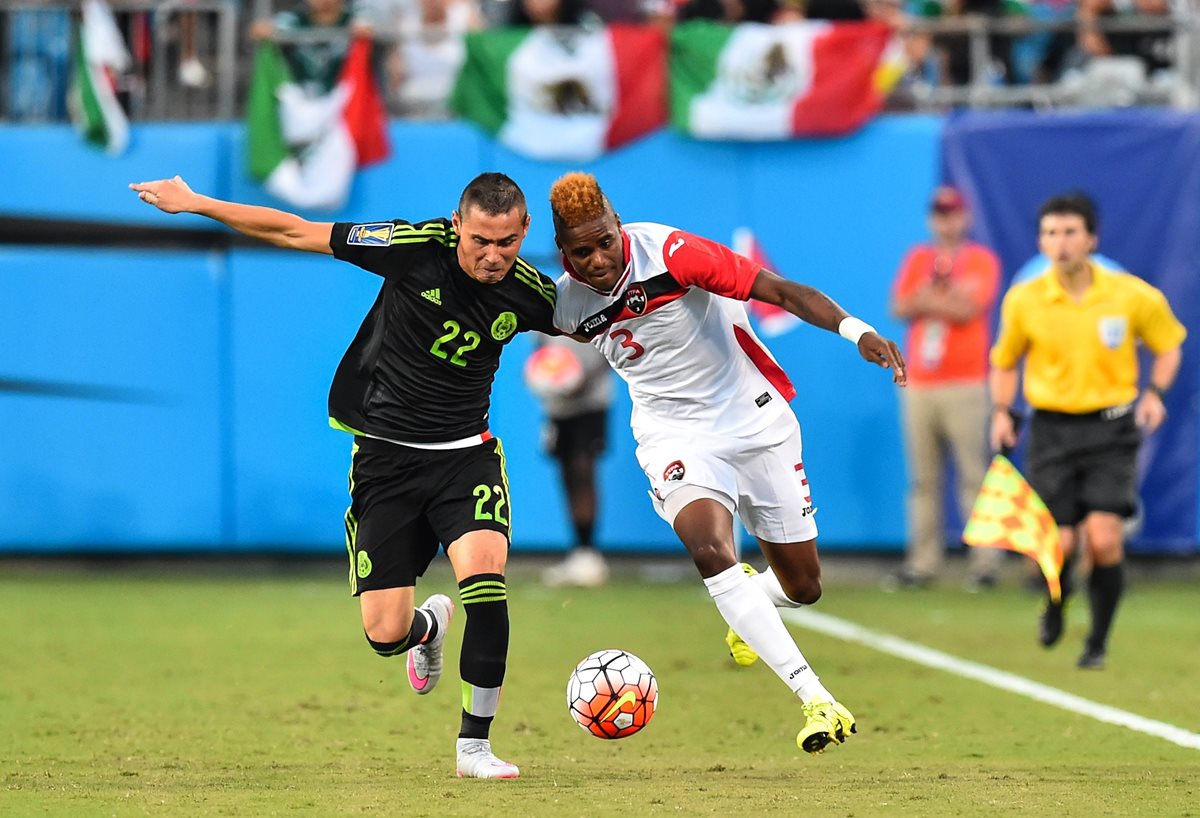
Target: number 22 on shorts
point(484, 509)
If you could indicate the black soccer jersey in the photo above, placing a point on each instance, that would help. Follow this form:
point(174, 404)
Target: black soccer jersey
point(421, 367)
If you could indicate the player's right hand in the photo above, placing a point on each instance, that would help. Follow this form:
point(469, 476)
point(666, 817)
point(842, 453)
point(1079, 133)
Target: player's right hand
point(168, 195)
point(1003, 433)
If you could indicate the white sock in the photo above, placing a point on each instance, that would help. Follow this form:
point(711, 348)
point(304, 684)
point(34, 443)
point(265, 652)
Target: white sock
point(752, 616)
point(769, 584)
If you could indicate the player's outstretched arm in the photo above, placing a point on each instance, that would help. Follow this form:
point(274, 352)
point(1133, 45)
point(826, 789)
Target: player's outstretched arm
point(811, 305)
point(276, 227)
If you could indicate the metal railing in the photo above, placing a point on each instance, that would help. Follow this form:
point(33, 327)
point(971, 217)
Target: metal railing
point(35, 60)
point(1181, 89)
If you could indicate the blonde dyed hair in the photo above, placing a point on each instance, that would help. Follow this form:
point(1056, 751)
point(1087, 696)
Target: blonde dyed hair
point(576, 199)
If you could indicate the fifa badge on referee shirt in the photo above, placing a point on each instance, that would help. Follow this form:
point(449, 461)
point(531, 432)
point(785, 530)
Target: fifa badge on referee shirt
point(1112, 330)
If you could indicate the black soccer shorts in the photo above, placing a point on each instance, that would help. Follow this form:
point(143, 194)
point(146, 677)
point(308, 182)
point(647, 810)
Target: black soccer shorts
point(585, 433)
point(1083, 463)
point(404, 502)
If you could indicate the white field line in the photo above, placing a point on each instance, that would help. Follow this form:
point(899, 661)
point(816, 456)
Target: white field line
point(913, 652)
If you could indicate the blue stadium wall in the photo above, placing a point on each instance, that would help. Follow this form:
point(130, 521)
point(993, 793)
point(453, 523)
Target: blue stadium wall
point(206, 425)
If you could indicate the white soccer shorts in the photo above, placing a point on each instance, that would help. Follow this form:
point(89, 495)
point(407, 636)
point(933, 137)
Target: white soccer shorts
point(761, 478)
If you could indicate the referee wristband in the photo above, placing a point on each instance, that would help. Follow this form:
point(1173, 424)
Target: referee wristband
point(852, 329)
point(1157, 390)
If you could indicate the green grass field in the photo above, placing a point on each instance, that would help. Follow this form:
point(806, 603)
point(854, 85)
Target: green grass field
point(198, 693)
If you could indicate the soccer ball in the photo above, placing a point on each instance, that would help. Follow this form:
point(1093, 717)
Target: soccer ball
point(553, 371)
point(612, 694)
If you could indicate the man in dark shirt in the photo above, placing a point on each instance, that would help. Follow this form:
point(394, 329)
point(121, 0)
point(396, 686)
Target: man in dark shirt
point(414, 389)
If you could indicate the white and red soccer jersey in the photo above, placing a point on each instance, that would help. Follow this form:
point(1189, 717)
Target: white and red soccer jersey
point(675, 328)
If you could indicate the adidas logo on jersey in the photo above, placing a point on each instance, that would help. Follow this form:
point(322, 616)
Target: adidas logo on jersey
point(434, 295)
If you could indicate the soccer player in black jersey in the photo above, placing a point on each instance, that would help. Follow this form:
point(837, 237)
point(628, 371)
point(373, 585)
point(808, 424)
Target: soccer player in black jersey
point(414, 389)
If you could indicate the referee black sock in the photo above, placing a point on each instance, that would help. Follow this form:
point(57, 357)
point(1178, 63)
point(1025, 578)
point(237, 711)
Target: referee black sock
point(1104, 592)
point(484, 652)
point(422, 624)
point(1066, 578)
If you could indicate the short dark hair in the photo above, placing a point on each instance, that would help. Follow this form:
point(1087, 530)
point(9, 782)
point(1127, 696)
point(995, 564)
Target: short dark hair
point(493, 193)
point(1075, 202)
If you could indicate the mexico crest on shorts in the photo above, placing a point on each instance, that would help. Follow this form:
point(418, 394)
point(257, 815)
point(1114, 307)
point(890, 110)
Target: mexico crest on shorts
point(504, 325)
point(674, 470)
point(635, 299)
point(1112, 330)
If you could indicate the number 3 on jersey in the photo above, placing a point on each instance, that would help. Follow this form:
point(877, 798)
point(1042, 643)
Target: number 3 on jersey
point(625, 338)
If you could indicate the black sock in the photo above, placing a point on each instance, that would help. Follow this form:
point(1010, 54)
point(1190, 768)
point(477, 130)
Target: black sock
point(484, 650)
point(422, 624)
point(583, 533)
point(1066, 579)
point(1104, 592)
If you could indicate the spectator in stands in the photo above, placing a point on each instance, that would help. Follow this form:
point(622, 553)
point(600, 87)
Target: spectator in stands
point(431, 45)
point(192, 71)
point(551, 13)
point(633, 11)
point(741, 11)
point(316, 65)
point(945, 290)
point(1152, 47)
point(955, 49)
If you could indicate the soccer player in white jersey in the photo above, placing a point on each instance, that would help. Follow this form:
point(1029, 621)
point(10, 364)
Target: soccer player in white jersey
point(714, 430)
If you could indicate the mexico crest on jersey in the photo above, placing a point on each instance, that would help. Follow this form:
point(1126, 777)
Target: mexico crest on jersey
point(375, 234)
point(635, 299)
point(504, 325)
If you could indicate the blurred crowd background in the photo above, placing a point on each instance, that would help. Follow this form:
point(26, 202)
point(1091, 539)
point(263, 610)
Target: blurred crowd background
point(191, 58)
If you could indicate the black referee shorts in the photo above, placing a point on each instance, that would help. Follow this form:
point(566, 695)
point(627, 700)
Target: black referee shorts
point(404, 502)
point(587, 433)
point(1083, 463)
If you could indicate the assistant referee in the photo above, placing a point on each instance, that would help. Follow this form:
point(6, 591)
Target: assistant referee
point(1077, 327)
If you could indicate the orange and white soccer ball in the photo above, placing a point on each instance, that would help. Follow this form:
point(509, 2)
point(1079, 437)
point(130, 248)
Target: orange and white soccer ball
point(553, 371)
point(612, 694)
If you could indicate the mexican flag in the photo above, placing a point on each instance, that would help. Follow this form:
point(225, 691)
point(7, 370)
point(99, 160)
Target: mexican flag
point(758, 82)
point(565, 94)
point(304, 148)
point(100, 57)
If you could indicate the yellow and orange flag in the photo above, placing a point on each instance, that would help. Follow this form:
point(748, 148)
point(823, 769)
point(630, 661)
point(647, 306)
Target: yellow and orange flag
point(1009, 514)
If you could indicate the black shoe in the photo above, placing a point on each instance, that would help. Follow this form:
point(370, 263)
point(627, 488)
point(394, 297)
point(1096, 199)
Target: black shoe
point(905, 579)
point(980, 583)
point(1092, 658)
point(1050, 628)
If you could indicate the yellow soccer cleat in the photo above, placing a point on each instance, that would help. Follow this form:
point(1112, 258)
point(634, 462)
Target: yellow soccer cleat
point(742, 653)
point(827, 723)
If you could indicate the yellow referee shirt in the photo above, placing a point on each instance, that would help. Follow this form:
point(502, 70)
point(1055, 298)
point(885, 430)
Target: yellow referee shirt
point(1080, 356)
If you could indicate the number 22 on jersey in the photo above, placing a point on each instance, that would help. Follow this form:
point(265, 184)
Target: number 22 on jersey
point(470, 338)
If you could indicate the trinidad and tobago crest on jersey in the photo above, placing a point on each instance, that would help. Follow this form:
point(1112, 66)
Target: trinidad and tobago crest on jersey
point(674, 470)
point(635, 299)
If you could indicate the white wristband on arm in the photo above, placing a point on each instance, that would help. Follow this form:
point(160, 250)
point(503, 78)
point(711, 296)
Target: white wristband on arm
point(852, 329)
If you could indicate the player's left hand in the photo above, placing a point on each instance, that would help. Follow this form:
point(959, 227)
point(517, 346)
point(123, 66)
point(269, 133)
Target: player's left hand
point(882, 352)
point(168, 195)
